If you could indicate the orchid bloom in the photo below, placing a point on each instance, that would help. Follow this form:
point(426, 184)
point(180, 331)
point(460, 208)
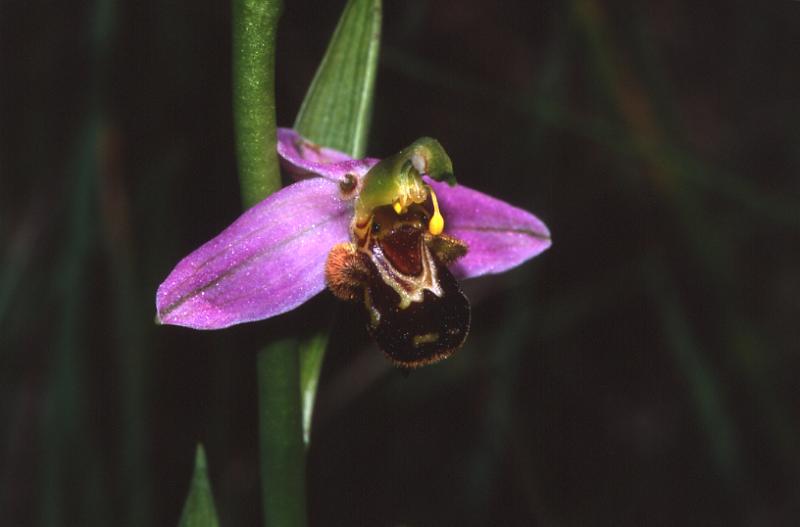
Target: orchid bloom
point(389, 233)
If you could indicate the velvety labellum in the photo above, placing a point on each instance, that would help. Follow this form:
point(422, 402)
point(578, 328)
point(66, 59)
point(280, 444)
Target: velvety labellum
point(424, 331)
point(416, 310)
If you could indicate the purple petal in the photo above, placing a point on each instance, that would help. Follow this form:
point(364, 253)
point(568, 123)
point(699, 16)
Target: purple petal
point(499, 236)
point(302, 157)
point(267, 262)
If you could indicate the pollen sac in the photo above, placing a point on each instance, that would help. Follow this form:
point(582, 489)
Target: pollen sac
point(346, 271)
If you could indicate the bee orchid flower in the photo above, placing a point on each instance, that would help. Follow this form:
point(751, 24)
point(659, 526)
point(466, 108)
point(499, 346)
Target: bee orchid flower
point(395, 234)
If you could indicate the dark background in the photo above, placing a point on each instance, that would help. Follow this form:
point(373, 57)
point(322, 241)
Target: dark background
point(643, 371)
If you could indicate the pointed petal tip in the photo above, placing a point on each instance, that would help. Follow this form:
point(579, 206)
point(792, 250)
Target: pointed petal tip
point(499, 235)
point(267, 262)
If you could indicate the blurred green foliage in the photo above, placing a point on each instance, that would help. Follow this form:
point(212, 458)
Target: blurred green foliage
point(641, 371)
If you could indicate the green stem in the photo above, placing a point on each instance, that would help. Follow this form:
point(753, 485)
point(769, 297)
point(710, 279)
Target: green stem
point(280, 422)
point(255, 24)
point(281, 433)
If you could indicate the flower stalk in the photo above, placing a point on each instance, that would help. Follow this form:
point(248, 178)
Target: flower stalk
point(255, 26)
point(283, 465)
point(282, 456)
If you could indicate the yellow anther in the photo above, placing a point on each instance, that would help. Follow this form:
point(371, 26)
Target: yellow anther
point(398, 208)
point(436, 225)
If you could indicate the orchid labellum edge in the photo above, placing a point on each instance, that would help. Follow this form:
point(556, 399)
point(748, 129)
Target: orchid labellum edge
point(394, 234)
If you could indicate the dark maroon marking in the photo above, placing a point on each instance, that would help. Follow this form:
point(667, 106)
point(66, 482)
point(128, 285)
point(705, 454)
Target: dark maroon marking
point(403, 249)
point(447, 316)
